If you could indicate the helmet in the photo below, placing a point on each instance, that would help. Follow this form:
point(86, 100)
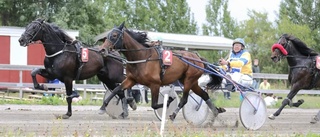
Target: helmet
point(239, 40)
point(156, 38)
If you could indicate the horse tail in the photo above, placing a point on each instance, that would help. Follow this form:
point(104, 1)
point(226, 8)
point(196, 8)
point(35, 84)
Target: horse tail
point(216, 80)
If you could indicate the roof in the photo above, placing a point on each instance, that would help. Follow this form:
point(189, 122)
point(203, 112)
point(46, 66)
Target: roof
point(188, 41)
point(17, 31)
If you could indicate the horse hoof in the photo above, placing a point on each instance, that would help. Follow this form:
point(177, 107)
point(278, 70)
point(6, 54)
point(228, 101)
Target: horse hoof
point(123, 116)
point(65, 117)
point(44, 87)
point(221, 110)
point(314, 120)
point(272, 117)
point(133, 105)
point(172, 117)
point(101, 112)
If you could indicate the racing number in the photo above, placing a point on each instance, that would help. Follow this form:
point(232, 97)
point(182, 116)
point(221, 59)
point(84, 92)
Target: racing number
point(167, 57)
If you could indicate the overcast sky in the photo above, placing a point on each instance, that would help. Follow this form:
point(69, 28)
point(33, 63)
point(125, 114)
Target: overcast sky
point(238, 8)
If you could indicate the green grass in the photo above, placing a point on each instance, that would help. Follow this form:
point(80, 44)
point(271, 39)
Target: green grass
point(311, 101)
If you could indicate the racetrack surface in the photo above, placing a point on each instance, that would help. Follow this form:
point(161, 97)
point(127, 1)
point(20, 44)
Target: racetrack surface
point(39, 120)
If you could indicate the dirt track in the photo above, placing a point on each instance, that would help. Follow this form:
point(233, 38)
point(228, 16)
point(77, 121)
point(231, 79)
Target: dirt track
point(29, 120)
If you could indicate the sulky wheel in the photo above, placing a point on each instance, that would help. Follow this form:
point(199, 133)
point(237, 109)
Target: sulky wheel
point(253, 111)
point(173, 105)
point(196, 110)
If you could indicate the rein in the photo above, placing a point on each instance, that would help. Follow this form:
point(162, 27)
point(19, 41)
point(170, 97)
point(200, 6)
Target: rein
point(127, 50)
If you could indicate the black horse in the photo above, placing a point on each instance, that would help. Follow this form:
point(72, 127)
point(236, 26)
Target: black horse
point(64, 62)
point(303, 72)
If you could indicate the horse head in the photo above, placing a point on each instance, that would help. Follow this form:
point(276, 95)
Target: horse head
point(32, 32)
point(114, 38)
point(279, 49)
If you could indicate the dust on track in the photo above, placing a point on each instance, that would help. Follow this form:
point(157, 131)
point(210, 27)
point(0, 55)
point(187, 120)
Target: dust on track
point(39, 120)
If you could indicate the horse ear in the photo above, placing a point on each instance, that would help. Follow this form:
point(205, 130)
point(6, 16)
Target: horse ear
point(122, 25)
point(40, 20)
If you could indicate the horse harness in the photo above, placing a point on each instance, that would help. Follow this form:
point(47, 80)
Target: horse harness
point(312, 66)
point(78, 47)
point(159, 49)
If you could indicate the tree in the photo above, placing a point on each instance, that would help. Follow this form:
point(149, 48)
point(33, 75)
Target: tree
point(85, 16)
point(219, 21)
point(303, 12)
point(174, 17)
point(21, 12)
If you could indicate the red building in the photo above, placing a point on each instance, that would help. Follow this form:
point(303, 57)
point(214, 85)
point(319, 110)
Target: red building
point(13, 54)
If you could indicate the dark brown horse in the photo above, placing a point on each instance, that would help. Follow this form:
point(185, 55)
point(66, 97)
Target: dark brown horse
point(63, 61)
point(145, 67)
point(303, 73)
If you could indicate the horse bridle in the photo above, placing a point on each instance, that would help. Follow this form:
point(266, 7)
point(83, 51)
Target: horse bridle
point(35, 34)
point(109, 37)
point(286, 44)
point(121, 49)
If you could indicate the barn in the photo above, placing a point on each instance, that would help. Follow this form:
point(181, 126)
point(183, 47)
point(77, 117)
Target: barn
point(12, 53)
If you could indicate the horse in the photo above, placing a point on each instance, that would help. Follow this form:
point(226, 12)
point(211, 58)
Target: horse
point(63, 61)
point(145, 66)
point(303, 73)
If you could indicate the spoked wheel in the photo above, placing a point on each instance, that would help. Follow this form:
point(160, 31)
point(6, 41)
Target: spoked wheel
point(196, 110)
point(253, 111)
point(114, 108)
point(173, 105)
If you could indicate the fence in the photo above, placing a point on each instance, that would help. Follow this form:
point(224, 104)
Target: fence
point(86, 86)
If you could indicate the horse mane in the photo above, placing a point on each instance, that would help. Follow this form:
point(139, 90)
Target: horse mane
point(60, 33)
point(139, 36)
point(301, 46)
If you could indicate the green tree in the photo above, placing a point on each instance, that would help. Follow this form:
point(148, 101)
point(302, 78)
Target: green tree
point(303, 12)
point(175, 17)
point(83, 15)
point(21, 12)
point(219, 21)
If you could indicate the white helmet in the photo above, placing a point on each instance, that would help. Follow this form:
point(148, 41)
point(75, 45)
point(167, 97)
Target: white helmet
point(239, 40)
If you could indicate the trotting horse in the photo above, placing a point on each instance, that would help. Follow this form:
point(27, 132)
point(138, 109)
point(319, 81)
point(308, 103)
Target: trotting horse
point(303, 72)
point(63, 61)
point(147, 68)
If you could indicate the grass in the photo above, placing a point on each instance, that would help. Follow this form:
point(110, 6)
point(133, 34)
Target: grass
point(311, 101)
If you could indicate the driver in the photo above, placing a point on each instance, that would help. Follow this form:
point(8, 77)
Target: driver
point(238, 66)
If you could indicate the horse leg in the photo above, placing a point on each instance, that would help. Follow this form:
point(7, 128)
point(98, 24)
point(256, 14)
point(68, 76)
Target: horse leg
point(285, 102)
point(105, 103)
point(298, 103)
point(182, 102)
point(125, 108)
point(130, 99)
point(68, 85)
point(41, 72)
point(204, 95)
point(154, 96)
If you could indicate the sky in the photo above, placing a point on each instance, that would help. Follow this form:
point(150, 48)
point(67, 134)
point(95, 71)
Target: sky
point(238, 8)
